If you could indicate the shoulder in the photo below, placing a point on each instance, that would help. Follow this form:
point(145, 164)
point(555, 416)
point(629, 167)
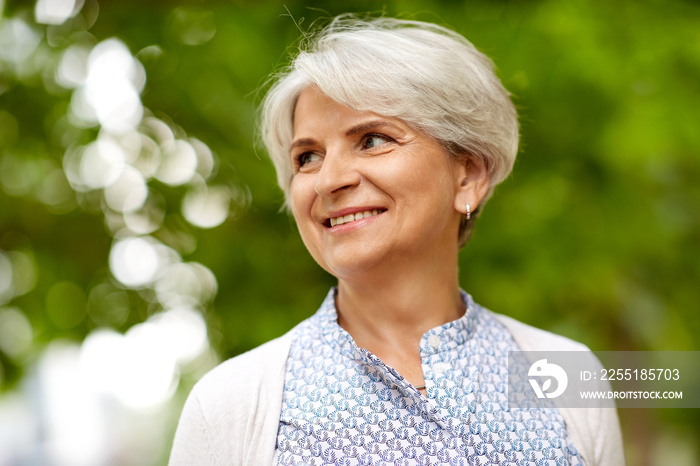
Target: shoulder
point(231, 414)
point(246, 371)
point(531, 338)
point(595, 430)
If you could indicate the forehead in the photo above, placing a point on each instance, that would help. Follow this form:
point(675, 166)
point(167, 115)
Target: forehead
point(314, 109)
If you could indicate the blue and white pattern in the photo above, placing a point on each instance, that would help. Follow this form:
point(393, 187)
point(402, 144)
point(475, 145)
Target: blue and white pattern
point(343, 406)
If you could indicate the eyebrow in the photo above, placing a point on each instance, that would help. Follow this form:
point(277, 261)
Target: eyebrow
point(369, 126)
point(353, 131)
point(304, 142)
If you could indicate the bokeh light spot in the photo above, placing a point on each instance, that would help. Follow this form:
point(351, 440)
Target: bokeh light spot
point(72, 69)
point(110, 93)
point(207, 281)
point(205, 158)
point(149, 218)
point(17, 40)
point(54, 190)
point(56, 11)
point(100, 355)
point(179, 163)
point(18, 176)
point(101, 164)
point(207, 207)
point(193, 27)
point(140, 368)
point(6, 289)
point(73, 420)
point(178, 286)
point(15, 332)
point(148, 158)
point(183, 333)
point(24, 272)
point(130, 142)
point(157, 129)
point(140, 260)
point(134, 262)
point(128, 192)
point(151, 377)
point(108, 305)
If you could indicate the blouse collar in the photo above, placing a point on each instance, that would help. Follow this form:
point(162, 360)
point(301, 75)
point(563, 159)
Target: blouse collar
point(443, 338)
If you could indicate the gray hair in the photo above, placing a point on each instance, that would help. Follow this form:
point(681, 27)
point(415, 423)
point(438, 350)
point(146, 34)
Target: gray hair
point(424, 74)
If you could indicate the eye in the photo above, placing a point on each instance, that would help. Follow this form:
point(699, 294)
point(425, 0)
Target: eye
point(307, 157)
point(375, 140)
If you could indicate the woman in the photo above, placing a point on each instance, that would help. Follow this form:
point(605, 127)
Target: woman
point(388, 137)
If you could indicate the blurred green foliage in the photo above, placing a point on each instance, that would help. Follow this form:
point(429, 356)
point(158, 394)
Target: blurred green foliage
point(595, 236)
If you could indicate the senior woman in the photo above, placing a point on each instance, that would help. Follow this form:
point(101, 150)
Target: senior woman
point(388, 136)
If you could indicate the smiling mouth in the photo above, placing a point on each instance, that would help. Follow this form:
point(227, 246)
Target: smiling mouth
point(331, 222)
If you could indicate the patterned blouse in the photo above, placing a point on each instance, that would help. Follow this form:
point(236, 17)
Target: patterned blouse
point(343, 406)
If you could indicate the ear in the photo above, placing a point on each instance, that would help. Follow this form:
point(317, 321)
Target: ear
point(472, 184)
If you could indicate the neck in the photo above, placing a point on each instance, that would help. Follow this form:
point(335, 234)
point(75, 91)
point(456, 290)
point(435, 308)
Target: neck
point(390, 312)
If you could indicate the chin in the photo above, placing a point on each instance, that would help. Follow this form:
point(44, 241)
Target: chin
point(350, 264)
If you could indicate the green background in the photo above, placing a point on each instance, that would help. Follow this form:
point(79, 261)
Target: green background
point(594, 236)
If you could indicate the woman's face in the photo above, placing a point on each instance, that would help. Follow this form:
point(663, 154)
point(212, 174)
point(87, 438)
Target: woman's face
point(369, 190)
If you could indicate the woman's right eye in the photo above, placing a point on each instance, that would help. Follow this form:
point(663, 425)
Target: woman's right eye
point(307, 157)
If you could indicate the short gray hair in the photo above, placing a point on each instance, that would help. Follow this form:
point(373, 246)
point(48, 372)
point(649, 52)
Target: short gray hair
point(424, 74)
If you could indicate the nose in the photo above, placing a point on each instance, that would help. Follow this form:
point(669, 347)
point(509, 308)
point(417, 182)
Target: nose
point(337, 173)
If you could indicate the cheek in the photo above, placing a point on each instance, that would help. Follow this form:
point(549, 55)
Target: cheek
point(427, 177)
point(301, 198)
point(298, 196)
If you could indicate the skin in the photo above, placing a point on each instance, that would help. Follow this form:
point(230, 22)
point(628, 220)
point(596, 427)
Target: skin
point(397, 271)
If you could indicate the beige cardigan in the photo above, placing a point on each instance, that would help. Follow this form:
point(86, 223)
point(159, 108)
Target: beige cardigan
point(232, 415)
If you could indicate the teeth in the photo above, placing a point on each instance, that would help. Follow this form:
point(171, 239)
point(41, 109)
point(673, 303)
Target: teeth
point(352, 217)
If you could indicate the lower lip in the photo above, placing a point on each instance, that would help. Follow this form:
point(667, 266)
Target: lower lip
point(346, 227)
